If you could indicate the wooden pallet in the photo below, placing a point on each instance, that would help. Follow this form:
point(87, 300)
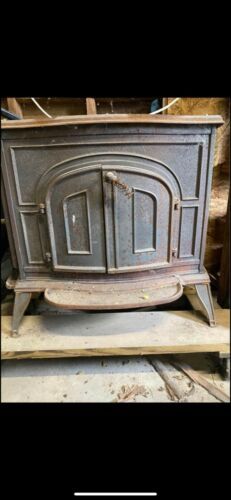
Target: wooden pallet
point(113, 334)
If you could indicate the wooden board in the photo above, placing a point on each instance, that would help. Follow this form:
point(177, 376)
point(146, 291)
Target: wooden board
point(14, 107)
point(102, 334)
point(91, 106)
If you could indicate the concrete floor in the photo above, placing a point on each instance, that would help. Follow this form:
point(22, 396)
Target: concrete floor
point(101, 380)
point(107, 379)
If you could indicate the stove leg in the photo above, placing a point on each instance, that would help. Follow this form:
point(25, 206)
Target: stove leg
point(202, 300)
point(21, 302)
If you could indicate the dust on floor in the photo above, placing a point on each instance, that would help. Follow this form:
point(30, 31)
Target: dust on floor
point(122, 379)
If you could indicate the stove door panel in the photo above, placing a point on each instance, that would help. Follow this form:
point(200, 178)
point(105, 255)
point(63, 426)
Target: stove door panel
point(76, 222)
point(141, 220)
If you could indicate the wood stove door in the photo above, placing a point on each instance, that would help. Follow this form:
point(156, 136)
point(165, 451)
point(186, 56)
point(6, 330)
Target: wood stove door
point(74, 204)
point(139, 225)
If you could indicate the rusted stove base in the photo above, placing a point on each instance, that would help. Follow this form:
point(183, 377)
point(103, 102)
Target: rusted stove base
point(114, 296)
point(117, 295)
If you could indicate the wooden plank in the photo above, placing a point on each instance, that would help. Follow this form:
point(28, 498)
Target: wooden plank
point(103, 334)
point(165, 101)
point(115, 118)
point(14, 106)
point(164, 369)
point(91, 106)
point(199, 379)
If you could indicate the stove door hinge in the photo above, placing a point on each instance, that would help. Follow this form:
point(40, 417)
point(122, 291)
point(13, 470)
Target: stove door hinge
point(176, 204)
point(174, 252)
point(48, 257)
point(42, 208)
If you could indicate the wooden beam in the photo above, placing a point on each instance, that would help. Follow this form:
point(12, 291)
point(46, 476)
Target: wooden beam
point(14, 106)
point(164, 369)
point(199, 379)
point(165, 101)
point(91, 106)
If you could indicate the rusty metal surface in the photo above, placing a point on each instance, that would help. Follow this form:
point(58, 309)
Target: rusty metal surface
point(20, 304)
point(116, 296)
point(40, 283)
point(85, 222)
point(107, 200)
point(117, 182)
point(113, 118)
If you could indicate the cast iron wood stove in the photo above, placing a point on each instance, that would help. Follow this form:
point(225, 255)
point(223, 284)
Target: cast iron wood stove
point(108, 211)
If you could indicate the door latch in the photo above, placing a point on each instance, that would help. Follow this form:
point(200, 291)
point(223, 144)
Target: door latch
point(116, 181)
point(176, 204)
point(174, 252)
point(42, 208)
